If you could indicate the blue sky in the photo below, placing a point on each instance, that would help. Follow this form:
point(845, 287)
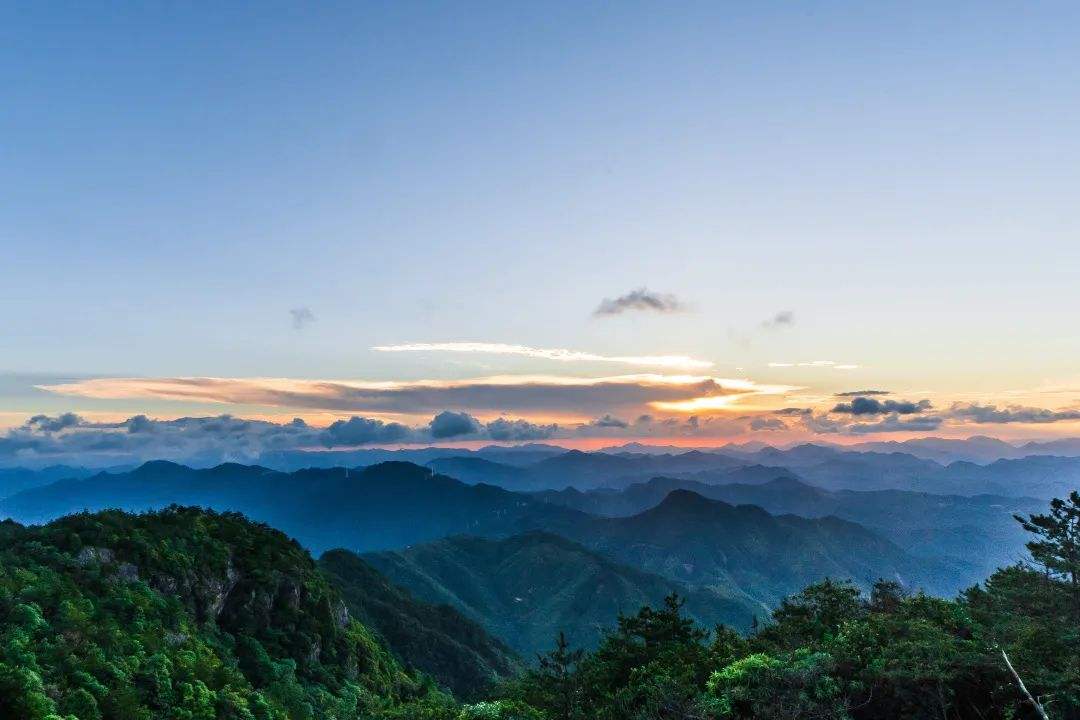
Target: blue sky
point(901, 177)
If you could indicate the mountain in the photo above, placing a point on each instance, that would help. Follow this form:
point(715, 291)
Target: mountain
point(384, 506)
point(978, 531)
point(977, 449)
point(183, 614)
point(594, 469)
point(1039, 476)
point(475, 470)
point(435, 639)
point(705, 542)
point(291, 460)
point(527, 588)
point(16, 479)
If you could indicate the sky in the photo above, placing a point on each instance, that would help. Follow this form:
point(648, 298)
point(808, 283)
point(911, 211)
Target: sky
point(572, 215)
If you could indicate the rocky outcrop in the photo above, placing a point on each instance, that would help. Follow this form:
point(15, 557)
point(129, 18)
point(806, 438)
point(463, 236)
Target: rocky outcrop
point(95, 556)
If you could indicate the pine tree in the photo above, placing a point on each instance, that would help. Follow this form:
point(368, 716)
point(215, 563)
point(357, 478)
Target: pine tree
point(558, 673)
point(1058, 546)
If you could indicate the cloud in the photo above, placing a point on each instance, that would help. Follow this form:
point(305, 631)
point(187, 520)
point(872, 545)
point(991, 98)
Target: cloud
point(301, 317)
point(793, 411)
point(823, 424)
point(782, 319)
point(641, 300)
point(503, 430)
point(365, 431)
point(828, 364)
point(205, 441)
point(54, 424)
point(453, 424)
point(557, 354)
point(609, 421)
point(856, 393)
point(767, 424)
point(873, 406)
point(991, 414)
point(894, 423)
point(519, 394)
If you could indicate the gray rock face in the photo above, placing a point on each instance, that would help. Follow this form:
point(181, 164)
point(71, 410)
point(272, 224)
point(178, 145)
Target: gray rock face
point(341, 614)
point(165, 584)
point(215, 591)
point(128, 572)
point(95, 555)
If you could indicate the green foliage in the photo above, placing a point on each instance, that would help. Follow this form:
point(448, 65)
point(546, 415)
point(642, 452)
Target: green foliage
point(183, 614)
point(1058, 545)
point(436, 639)
point(830, 653)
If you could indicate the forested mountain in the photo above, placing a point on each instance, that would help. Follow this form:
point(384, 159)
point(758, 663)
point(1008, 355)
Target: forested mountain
point(528, 588)
point(191, 614)
point(593, 469)
point(392, 505)
point(1008, 649)
point(16, 479)
point(383, 506)
point(183, 614)
point(433, 638)
point(475, 470)
point(707, 542)
point(977, 530)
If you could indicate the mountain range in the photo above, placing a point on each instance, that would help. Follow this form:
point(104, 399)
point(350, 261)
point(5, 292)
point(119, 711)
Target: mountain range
point(738, 552)
point(979, 533)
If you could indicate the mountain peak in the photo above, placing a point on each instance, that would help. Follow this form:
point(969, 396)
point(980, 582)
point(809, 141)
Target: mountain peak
point(160, 467)
point(681, 500)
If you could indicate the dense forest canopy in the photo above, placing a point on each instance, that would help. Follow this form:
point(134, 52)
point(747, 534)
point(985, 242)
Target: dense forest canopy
point(189, 614)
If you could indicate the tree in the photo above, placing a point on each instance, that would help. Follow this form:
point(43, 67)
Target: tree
point(558, 681)
point(814, 614)
point(1058, 546)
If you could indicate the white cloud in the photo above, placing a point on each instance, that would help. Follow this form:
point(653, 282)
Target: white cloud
point(557, 354)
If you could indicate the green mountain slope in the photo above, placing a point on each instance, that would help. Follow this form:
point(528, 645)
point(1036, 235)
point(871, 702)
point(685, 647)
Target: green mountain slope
point(711, 543)
point(436, 639)
point(527, 588)
point(182, 614)
point(978, 531)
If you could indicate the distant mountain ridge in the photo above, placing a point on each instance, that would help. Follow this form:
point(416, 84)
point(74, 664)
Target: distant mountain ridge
point(379, 507)
point(733, 550)
point(978, 531)
point(703, 542)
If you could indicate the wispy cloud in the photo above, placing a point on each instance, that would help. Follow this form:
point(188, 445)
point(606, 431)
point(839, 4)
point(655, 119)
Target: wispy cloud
point(640, 300)
point(827, 364)
point(857, 393)
point(547, 395)
point(782, 319)
point(557, 354)
point(301, 317)
point(991, 414)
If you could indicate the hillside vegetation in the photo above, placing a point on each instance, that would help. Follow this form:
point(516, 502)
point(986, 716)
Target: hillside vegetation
point(188, 615)
point(528, 588)
point(434, 638)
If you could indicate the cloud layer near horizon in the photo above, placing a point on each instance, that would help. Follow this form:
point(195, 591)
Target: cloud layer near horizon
point(73, 440)
point(538, 395)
